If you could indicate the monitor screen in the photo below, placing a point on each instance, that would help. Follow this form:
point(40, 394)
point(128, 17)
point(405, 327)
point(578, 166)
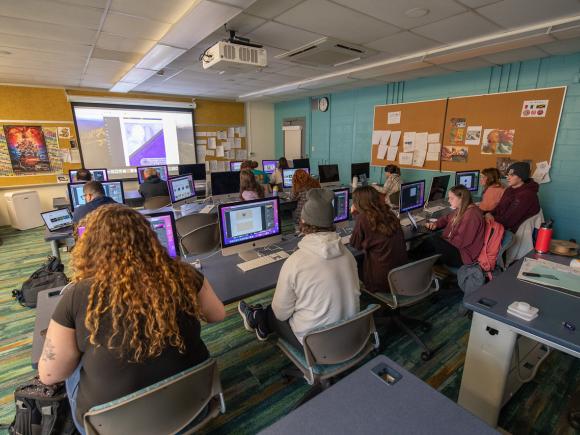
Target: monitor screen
point(80, 230)
point(164, 226)
point(438, 187)
point(98, 175)
point(412, 196)
point(57, 219)
point(358, 169)
point(225, 183)
point(244, 222)
point(328, 173)
point(236, 166)
point(287, 175)
point(181, 188)
point(341, 205)
point(113, 189)
point(269, 166)
point(195, 169)
point(301, 163)
point(469, 179)
point(161, 170)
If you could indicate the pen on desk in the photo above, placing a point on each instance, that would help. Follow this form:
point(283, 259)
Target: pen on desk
point(539, 275)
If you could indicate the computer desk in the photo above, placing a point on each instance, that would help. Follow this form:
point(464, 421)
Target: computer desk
point(493, 335)
point(362, 403)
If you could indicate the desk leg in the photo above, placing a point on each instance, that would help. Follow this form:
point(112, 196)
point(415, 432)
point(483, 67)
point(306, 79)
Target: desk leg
point(486, 369)
point(54, 248)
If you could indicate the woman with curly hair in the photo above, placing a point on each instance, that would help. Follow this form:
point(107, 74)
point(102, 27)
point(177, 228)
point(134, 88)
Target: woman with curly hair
point(302, 182)
point(130, 317)
point(249, 187)
point(378, 233)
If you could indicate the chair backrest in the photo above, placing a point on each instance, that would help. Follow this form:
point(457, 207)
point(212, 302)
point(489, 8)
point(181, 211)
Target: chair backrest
point(341, 341)
point(165, 407)
point(156, 202)
point(201, 240)
point(522, 242)
point(394, 198)
point(186, 224)
point(413, 279)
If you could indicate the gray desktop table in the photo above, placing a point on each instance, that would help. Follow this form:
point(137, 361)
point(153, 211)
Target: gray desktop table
point(493, 335)
point(55, 238)
point(362, 403)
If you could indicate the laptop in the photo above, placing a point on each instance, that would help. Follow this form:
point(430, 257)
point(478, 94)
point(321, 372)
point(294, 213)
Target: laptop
point(59, 220)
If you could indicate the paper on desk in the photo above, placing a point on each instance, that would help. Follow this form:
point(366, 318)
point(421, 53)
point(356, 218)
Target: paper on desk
point(409, 141)
point(419, 158)
point(395, 136)
point(222, 135)
point(421, 141)
point(392, 153)
point(381, 152)
point(211, 143)
point(219, 151)
point(380, 137)
point(432, 157)
point(568, 278)
point(542, 173)
point(433, 138)
point(405, 158)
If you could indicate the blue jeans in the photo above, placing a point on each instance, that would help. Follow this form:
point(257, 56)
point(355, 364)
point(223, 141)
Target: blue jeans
point(72, 385)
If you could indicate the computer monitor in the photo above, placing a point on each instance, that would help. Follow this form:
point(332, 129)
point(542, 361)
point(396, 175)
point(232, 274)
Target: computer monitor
point(287, 175)
point(358, 169)
point(57, 220)
point(269, 166)
point(301, 163)
point(163, 224)
point(328, 174)
point(438, 188)
point(469, 179)
point(247, 225)
point(195, 169)
point(80, 230)
point(97, 174)
point(181, 188)
point(412, 196)
point(236, 166)
point(225, 185)
point(113, 189)
point(161, 170)
point(341, 206)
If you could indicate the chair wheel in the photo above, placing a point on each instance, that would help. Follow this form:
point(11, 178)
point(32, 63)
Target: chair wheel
point(426, 356)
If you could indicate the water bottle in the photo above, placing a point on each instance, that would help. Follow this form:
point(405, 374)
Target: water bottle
point(354, 182)
point(544, 237)
point(275, 191)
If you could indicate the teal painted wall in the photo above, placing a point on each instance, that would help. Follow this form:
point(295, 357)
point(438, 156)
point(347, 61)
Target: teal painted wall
point(342, 135)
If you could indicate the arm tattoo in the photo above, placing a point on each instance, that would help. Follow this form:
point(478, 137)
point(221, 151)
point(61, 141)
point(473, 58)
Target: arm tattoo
point(48, 352)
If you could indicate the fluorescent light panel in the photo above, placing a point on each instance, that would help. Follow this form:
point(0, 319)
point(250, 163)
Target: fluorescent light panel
point(160, 56)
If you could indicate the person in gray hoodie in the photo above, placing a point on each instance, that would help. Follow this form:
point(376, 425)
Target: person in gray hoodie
point(318, 284)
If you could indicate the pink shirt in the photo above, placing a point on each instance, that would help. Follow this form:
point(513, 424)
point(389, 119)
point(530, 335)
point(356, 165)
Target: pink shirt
point(491, 198)
point(249, 194)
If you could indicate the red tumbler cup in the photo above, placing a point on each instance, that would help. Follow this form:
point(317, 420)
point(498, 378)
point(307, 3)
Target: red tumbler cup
point(544, 238)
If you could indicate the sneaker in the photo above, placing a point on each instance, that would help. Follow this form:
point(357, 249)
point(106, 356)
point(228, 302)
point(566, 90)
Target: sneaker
point(248, 315)
point(262, 335)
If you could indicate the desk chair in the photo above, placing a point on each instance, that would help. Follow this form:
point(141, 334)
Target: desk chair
point(409, 285)
point(523, 238)
point(156, 202)
point(394, 198)
point(332, 349)
point(198, 233)
point(181, 403)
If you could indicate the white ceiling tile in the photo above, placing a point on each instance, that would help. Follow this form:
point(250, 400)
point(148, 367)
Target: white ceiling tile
point(270, 9)
point(467, 64)
point(393, 11)
point(244, 23)
point(53, 32)
point(512, 13)
point(98, 84)
point(43, 44)
point(457, 28)
point(120, 43)
point(330, 19)
point(169, 12)
point(92, 3)
point(301, 71)
point(134, 27)
point(281, 36)
point(476, 3)
point(567, 46)
point(31, 58)
point(242, 4)
point(515, 55)
point(52, 12)
point(402, 43)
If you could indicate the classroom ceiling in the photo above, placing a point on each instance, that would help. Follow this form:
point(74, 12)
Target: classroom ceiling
point(98, 43)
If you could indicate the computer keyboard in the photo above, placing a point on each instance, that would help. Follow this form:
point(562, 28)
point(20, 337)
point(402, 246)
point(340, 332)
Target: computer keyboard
point(345, 239)
point(405, 222)
point(207, 209)
point(262, 261)
point(435, 208)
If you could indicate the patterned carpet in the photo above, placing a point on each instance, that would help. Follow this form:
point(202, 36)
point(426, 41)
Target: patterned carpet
point(256, 395)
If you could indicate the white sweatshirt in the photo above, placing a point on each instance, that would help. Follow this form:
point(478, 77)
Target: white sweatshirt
point(318, 284)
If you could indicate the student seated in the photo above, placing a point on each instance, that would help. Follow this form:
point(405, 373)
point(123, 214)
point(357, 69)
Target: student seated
point(131, 316)
point(318, 284)
point(392, 182)
point(249, 187)
point(94, 198)
point(152, 185)
point(252, 165)
point(378, 233)
point(84, 175)
point(302, 182)
point(520, 200)
point(492, 189)
point(277, 179)
point(463, 233)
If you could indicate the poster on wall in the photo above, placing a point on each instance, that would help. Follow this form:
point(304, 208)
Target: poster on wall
point(64, 132)
point(473, 135)
point(27, 148)
point(503, 163)
point(534, 109)
point(54, 154)
point(457, 131)
point(498, 141)
point(5, 163)
point(454, 154)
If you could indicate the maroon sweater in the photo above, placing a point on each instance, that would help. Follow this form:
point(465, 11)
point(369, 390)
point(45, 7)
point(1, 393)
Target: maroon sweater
point(517, 205)
point(466, 235)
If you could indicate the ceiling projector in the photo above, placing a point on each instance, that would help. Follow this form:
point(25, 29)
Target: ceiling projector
point(235, 55)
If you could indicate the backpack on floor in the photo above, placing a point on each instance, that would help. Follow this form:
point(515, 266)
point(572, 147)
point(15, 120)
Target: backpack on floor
point(493, 236)
point(49, 275)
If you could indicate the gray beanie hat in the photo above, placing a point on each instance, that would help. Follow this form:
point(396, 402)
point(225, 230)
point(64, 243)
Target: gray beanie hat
point(318, 209)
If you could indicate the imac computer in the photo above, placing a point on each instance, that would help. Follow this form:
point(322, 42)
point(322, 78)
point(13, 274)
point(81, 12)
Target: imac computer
point(469, 179)
point(341, 207)
point(269, 166)
point(161, 170)
point(57, 220)
point(360, 170)
point(197, 170)
point(163, 224)
point(287, 175)
point(236, 166)
point(329, 176)
point(113, 189)
point(301, 163)
point(225, 185)
point(98, 175)
point(437, 193)
point(181, 188)
point(247, 225)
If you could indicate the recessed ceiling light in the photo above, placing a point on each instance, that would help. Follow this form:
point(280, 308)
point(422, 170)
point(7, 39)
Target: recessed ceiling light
point(417, 12)
point(4, 52)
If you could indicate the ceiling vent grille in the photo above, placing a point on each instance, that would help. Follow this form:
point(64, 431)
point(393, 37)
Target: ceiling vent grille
point(327, 52)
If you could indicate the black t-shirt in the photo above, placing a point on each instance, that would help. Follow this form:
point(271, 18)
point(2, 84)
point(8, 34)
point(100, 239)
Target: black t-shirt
point(105, 376)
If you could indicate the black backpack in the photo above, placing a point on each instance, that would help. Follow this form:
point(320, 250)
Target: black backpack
point(49, 275)
point(42, 410)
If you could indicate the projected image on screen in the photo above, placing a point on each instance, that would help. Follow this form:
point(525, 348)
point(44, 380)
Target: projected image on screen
point(145, 142)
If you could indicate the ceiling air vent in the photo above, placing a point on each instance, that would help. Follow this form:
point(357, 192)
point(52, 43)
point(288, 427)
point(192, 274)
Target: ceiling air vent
point(327, 52)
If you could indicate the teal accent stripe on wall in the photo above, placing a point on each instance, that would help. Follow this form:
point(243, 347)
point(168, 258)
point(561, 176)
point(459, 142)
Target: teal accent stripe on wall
point(342, 135)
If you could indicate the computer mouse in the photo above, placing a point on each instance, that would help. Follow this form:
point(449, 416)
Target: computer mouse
point(523, 306)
